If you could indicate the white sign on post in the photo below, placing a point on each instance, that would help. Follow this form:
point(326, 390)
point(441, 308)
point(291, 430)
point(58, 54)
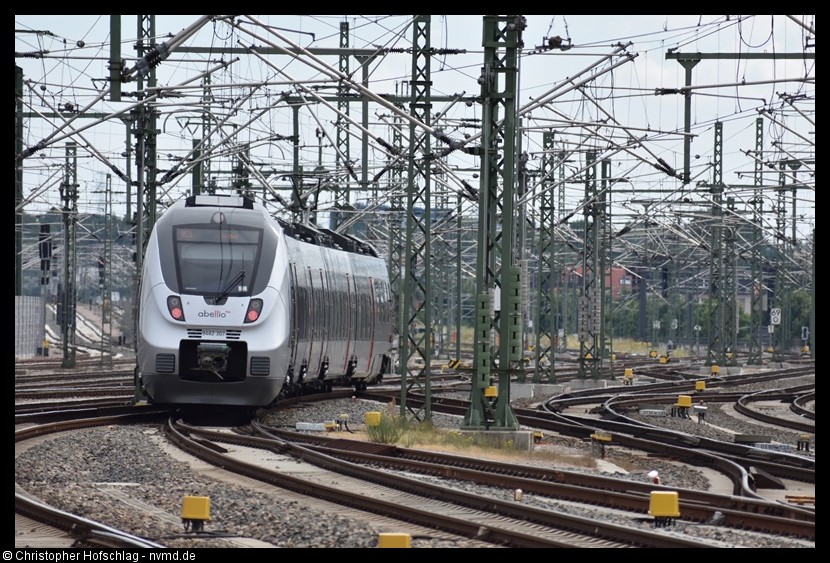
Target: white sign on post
point(775, 316)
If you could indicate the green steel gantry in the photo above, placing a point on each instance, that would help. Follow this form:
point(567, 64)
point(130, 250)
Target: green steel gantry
point(397, 241)
point(502, 40)
point(757, 288)
point(105, 277)
point(145, 132)
point(779, 303)
point(723, 320)
point(341, 194)
point(606, 271)
point(69, 197)
point(417, 295)
point(729, 286)
point(590, 300)
point(544, 318)
point(715, 349)
point(562, 274)
point(442, 266)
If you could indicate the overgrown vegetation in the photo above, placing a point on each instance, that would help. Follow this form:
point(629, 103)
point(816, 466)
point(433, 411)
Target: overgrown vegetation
point(395, 429)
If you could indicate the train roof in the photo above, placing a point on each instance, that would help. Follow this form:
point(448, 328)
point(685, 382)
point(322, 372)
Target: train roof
point(327, 238)
point(219, 201)
point(306, 233)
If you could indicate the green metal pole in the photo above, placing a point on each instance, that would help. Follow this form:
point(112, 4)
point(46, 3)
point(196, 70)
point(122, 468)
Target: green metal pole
point(418, 279)
point(499, 89)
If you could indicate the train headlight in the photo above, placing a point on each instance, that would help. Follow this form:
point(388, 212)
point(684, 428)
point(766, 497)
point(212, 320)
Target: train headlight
point(174, 307)
point(254, 310)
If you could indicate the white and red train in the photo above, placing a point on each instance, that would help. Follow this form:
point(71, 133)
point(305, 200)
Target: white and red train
point(237, 307)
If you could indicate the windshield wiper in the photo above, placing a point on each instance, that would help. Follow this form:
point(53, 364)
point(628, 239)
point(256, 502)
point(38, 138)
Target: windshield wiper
point(231, 284)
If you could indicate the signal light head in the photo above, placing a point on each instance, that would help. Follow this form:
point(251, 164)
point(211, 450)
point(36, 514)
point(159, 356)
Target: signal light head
point(174, 307)
point(254, 310)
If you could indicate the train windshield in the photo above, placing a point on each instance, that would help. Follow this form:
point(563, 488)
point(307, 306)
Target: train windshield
point(216, 260)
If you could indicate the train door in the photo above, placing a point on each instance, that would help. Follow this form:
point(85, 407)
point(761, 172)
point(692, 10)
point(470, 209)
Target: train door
point(372, 303)
point(311, 313)
point(295, 315)
point(337, 345)
point(322, 320)
point(350, 322)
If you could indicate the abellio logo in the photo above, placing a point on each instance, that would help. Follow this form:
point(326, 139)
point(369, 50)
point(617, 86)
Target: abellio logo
point(213, 314)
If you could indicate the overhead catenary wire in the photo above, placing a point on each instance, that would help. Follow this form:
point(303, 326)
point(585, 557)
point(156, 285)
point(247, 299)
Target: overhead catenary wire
point(55, 137)
point(645, 180)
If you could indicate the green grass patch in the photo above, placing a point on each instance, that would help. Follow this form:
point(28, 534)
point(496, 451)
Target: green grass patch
point(394, 429)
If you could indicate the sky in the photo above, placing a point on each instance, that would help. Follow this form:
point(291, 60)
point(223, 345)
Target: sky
point(611, 90)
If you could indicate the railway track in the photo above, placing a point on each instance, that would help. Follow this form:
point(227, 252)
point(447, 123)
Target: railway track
point(598, 490)
point(736, 461)
point(435, 506)
point(742, 513)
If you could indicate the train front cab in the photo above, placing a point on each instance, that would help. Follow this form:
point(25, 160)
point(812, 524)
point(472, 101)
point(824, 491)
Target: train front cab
point(212, 327)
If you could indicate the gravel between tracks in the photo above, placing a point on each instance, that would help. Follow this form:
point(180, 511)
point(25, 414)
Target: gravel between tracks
point(70, 470)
